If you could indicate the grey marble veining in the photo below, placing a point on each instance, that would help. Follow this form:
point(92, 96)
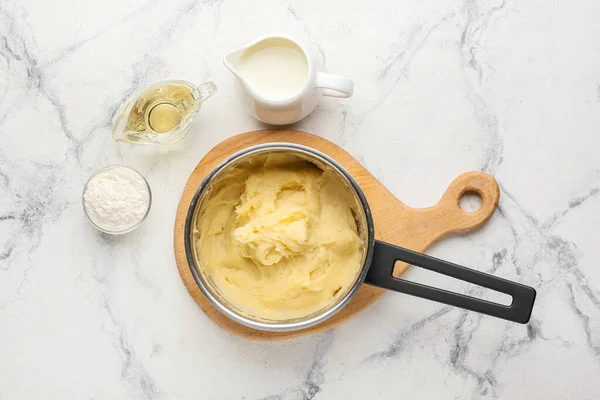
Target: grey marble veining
point(505, 86)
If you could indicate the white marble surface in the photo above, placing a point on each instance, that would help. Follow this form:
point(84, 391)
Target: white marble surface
point(511, 87)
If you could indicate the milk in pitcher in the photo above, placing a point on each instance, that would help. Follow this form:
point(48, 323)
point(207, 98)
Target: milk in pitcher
point(276, 69)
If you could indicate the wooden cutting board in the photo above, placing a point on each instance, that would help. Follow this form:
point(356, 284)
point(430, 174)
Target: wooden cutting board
point(395, 222)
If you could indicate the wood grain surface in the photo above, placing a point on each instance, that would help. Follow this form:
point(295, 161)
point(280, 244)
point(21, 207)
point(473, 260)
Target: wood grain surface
point(395, 222)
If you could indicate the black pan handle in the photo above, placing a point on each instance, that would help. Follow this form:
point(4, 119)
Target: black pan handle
point(385, 256)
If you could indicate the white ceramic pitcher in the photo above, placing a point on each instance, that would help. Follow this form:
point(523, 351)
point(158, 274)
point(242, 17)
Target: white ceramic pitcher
point(301, 101)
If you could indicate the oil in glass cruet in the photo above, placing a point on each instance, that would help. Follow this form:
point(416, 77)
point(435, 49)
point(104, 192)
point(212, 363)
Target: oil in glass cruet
point(160, 110)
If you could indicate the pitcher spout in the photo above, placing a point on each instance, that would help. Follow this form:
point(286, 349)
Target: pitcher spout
point(233, 59)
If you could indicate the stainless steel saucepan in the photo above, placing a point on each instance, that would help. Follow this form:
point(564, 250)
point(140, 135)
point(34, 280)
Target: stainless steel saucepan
point(378, 258)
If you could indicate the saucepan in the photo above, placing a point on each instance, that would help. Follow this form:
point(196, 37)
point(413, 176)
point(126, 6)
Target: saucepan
point(378, 258)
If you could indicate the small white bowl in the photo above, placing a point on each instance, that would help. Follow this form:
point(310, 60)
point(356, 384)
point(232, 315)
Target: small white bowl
point(104, 229)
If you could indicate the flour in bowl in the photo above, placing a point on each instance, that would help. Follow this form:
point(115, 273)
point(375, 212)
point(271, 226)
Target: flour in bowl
point(116, 199)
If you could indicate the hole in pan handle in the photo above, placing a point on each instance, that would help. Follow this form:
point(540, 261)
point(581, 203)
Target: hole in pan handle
point(385, 256)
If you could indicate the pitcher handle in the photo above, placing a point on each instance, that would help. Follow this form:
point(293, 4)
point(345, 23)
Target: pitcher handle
point(334, 85)
point(206, 90)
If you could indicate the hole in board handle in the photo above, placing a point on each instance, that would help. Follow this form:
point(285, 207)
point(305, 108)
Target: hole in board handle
point(470, 201)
